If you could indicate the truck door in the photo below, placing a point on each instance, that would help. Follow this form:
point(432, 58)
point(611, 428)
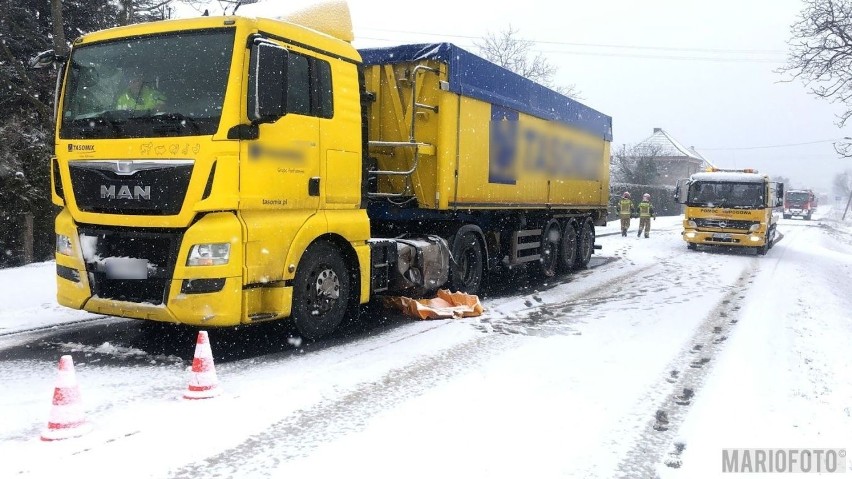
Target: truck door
point(279, 163)
point(278, 168)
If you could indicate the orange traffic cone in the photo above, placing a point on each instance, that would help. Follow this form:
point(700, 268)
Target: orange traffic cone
point(203, 383)
point(67, 418)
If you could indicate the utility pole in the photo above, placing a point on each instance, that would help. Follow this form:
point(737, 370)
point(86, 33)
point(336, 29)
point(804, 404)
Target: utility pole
point(848, 202)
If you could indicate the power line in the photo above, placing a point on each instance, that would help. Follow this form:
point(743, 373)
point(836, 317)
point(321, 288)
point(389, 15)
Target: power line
point(769, 146)
point(597, 45)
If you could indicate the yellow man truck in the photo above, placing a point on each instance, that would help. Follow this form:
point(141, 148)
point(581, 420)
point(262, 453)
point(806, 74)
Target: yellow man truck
point(274, 171)
point(730, 208)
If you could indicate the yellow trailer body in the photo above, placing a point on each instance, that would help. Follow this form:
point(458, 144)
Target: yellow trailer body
point(489, 138)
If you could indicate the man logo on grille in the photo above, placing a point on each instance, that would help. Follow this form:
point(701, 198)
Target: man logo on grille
point(139, 193)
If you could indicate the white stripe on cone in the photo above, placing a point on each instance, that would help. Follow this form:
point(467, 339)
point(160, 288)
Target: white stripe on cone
point(203, 383)
point(67, 417)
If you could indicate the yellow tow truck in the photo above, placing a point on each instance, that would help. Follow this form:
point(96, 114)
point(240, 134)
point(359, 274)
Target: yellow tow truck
point(730, 208)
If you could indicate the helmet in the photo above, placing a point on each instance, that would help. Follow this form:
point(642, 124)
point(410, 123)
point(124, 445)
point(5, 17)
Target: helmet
point(646, 196)
point(626, 194)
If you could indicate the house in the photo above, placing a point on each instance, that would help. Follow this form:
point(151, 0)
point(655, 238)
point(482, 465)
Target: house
point(674, 161)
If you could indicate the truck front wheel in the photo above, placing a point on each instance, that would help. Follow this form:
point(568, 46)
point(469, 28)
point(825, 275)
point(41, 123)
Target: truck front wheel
point(321, 291)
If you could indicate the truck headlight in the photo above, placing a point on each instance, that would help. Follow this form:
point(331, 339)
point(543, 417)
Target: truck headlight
point(209, 254)
point(692, 224)
point(755, 238)
point(754, 228)
point(63, 245)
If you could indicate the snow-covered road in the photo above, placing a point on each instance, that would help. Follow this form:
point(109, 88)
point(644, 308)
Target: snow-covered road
point(564, 380)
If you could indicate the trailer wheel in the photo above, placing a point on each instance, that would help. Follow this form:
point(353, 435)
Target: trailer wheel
point(549, 252)
point(468, 263)
point(568, 247)
point(321, 291)
point(585, 243)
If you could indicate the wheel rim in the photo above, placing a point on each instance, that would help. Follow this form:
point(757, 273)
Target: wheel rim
point(323, 291)
point(549, 249)
point(467, 270)
point(467, 265)
point(569, 246)
point(586, 244)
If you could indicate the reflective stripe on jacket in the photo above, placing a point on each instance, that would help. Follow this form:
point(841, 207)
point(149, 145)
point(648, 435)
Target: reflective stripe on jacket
point(146, 99)
point(646, 209)
point(625, 207)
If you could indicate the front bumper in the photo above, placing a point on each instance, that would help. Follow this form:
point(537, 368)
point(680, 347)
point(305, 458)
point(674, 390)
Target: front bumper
point(718, 238)
point(170, 291)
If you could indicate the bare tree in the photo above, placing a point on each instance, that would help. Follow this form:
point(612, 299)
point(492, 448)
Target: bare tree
point(783, 179)
point(138, 11)
point(507, 49)
point(821, 55)
point(636, 164)
point(843, 183)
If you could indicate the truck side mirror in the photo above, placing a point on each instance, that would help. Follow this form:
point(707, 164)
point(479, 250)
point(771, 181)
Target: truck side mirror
point(779, 194)
point(681, 191)
point(44, 59)
point(267, 88)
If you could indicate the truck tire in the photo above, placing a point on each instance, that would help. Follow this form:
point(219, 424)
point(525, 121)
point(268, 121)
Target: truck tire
point(549, 250)
point(691, 246)
point(808, 217)
point(568, 247)
point(468, 264)
point(585, 244)
point(321, 291)
point(761, 250)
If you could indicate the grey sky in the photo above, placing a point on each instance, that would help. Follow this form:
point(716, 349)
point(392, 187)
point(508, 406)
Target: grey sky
point(710, 81)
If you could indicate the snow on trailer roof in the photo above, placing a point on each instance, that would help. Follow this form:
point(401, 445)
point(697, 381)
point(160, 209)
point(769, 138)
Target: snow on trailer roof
point(729, 176)
point(476, 77)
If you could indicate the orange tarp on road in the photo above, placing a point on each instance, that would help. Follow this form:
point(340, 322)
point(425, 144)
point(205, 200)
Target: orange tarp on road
point(446, 305)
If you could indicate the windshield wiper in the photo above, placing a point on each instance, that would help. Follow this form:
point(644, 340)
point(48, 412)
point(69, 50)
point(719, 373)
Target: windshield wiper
point(99, 119)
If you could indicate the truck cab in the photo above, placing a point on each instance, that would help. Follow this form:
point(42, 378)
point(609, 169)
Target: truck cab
point(730, 208)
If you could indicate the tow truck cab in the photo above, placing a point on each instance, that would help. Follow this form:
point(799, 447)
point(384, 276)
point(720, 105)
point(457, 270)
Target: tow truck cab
point(729, 208)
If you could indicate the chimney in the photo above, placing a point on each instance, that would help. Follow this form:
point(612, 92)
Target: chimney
point(657, 130)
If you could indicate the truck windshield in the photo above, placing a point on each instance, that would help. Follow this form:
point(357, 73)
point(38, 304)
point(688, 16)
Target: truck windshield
point(798, 197)
point(151, 86)
point(726, 195)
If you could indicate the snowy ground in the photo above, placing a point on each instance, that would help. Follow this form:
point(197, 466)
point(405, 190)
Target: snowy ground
point(563, 380)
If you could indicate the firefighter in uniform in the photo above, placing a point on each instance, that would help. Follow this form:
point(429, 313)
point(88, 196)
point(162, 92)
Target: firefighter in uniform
point(646, 212)
point(625, 210)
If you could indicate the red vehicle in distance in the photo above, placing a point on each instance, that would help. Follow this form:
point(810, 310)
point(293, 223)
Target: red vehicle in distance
point(800, 203)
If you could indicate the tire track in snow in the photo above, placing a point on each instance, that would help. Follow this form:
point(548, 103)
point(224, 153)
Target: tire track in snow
point(299, 434)
point(686, 373)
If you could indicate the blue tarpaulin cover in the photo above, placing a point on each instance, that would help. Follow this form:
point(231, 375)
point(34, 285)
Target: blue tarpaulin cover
point(475, 77)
